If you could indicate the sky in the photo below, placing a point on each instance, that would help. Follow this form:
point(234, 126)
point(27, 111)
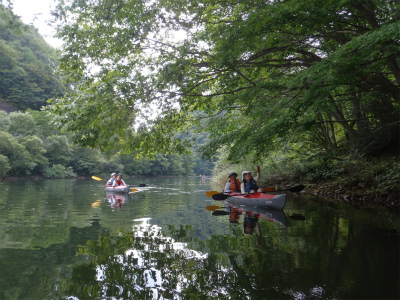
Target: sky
point(37, 12)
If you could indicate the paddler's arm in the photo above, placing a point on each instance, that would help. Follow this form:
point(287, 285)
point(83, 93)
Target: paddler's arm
point(242, 188)
point(227, 188)
point(258, 174)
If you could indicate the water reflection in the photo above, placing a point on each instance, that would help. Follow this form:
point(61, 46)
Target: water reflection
point(152, 263)
point(141, 264)
point(251, 215)
point(117, 199)
point(162, 243)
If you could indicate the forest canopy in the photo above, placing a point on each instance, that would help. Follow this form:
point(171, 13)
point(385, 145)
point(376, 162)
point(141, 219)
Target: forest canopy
point(31, 146)
point(323, 75)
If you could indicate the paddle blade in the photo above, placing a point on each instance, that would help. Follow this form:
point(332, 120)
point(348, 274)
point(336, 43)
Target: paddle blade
point(96, 204)
point(220, 196)
point(142, 185)
point(211, 193)
point(213, 207)
point(220, 213)
point(97, 178)
point(269, 189)
point(297, 188)
point(134, 190)
point(297, 217)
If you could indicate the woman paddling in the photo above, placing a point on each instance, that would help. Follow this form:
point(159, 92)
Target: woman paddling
point(110, 182)
point(249, 185)
point(233, 184)
point(119, 181)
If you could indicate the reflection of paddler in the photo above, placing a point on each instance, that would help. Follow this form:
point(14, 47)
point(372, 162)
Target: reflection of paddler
point(117, 199)
point(234, 215)
point(250, 222)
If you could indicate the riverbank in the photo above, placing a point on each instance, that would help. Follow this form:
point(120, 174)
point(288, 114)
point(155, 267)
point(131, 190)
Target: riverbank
point(362, 182)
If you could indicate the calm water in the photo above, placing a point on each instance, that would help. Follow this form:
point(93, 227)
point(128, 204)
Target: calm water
point(67, 239)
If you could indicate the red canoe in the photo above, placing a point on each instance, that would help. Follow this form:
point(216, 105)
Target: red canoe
point(259, 199)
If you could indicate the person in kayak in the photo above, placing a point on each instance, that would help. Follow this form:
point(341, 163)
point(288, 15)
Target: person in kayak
point(110, 181)
point(119, 181)
point(249, 185)
point(233, 184)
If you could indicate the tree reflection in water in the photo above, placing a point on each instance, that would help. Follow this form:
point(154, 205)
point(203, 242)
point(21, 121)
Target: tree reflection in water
point(149, 264)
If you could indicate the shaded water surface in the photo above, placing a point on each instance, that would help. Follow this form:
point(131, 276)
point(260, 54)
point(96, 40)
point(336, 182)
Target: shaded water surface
point(68, 239)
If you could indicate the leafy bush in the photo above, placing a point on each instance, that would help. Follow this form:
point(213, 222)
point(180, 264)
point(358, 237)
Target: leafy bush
point(58, 171)
point(22, 124)
point(4, 121)
point(4, 165)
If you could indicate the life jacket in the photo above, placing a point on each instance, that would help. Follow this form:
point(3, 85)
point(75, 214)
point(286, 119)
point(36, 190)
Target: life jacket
point(234, 215)
point(119, 182)
point(110, 182)
point(252, 185)
point(235, 185)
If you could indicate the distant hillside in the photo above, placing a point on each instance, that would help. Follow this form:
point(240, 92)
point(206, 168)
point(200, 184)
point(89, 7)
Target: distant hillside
point(27, 65)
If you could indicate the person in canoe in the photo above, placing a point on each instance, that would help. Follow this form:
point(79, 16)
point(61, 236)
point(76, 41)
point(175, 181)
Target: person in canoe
point(249, 185)
point(233, 184)
point(110, 181)
point(119, 181)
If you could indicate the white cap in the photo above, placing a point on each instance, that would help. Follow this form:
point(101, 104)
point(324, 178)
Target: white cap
point(245, 172)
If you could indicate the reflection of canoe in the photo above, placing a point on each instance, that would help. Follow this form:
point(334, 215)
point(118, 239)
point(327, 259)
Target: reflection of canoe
point(117, 197)
point(259, 199)
point(118, 189)
point(274, 215)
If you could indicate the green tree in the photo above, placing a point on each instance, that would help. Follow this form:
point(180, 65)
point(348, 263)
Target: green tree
point(22, 124)
point(43, 123)
point(27, 64)
point(264, 73)
point(37, 151)
point(4, 165)
point(58, 171)
point(4, 121)
point(19, 159)
point(86, 161)
point(58, 150)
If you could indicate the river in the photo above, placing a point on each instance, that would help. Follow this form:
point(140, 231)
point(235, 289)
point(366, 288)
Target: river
point(68, 239)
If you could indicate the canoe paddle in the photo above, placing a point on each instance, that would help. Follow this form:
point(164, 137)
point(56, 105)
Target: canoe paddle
point(132, 190)
point(221, 196)
point(213, 207)
point(220, 213)
point(295, 189)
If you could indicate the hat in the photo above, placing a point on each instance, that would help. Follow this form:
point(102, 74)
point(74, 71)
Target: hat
point(113, 174)
point(232, 173)
point(245, 172)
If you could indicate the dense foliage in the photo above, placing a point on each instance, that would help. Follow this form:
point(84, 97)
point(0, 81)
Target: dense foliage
point(31, 146)
point(320, 75)
point(27, 64)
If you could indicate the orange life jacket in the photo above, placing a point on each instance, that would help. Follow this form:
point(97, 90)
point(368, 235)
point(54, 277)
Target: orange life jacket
point(118, 182)
point(235, 185)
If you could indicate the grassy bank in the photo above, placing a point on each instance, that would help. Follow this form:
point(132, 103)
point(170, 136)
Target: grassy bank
point(362, 181)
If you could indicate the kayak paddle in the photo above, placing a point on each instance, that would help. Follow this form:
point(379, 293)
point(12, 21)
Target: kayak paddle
point(221, 196)
point(213, 207)
point(295, 189)
point(220, 213)
point(211, 193)
point(97, 178)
